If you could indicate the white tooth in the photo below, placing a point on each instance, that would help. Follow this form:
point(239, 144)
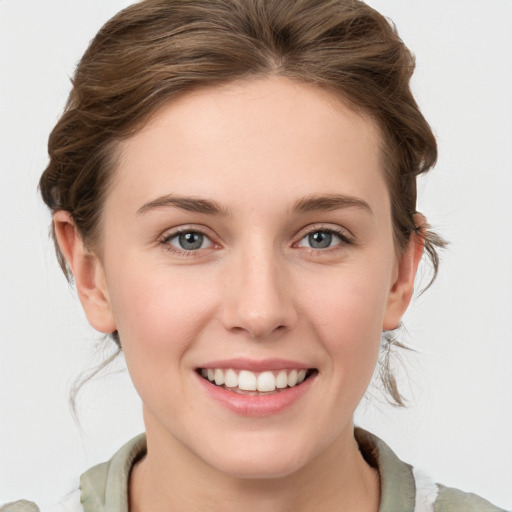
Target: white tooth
point(219, 377)
point(281, 380)
point(247, 380)
point(211, 374)
point(204, 372)
point(231, 379)
point(266, 382)
point(292, 378)
point(301, 376)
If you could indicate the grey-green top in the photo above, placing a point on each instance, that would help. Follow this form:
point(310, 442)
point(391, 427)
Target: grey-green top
point(104, 488)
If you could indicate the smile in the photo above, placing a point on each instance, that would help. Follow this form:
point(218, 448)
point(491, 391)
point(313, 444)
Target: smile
point(246, 382)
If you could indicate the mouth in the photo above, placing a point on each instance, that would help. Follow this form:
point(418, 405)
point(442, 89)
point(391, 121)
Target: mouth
point(246, 382)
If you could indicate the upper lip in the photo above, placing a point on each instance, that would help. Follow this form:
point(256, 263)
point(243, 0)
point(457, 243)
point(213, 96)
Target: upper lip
point(255, 365)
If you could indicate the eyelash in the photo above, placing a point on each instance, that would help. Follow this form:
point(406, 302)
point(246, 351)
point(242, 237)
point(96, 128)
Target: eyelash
point(166, 239)
point(344, 238)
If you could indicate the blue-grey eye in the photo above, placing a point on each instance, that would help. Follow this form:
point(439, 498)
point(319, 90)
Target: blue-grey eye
point(190, 241)
point(321, 239)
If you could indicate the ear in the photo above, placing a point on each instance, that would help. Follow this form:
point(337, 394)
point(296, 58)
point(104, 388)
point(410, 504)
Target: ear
point(403, 287)
point(87, 271)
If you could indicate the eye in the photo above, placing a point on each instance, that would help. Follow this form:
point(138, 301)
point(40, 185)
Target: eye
point(323, 239)
point(188, 240)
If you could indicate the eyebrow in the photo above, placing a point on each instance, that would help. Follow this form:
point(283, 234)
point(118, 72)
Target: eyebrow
point(190, 204)
point(306, 204)
point(330, 202)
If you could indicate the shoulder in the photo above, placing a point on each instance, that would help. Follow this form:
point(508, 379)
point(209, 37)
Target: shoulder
point(70, 503)
point(404, 488)
point(20, 506)
point(104, 483)
point(453, 500)
point(432, 497)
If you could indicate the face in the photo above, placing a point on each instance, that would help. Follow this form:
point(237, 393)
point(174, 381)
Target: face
point(247, 240)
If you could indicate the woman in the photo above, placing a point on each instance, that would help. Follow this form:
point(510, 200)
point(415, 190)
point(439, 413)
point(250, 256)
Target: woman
point(233, 188)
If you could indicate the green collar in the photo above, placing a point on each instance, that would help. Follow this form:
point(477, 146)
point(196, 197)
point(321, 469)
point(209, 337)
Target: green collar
point(105, 486)
point(397, 487)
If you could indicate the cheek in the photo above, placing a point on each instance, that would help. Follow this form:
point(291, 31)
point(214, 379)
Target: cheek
point(158, 313)
point(348, 316)
point(353, 302)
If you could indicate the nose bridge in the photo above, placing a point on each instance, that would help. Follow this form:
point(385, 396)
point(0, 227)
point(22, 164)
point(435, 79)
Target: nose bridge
point(258, 295)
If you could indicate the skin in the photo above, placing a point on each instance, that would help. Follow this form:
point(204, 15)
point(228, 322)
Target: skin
point(256, 289)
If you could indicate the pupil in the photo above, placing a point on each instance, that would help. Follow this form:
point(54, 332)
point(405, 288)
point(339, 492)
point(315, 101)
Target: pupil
point(320, 239)
point(191, 241)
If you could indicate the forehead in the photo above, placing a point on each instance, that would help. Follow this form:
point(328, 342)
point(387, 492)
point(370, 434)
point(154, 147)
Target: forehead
point(271, 134)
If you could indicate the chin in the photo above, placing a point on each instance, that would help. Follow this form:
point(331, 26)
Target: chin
point(260, 469)
point(260, 460)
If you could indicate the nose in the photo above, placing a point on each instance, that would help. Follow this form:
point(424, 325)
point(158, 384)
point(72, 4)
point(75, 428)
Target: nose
point(258, 296)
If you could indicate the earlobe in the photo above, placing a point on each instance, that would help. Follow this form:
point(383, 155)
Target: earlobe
point(403, 287)
point(88, 273)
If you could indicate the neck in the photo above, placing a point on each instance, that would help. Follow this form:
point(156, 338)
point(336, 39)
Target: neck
point(170, 477)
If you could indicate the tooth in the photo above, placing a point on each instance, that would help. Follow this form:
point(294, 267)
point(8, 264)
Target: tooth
point(247, 380)
point(292, 378)
point(204, 372)
point(301, 376)
point(266, 382)
point(219, 377)
point(231, 379)
point(211, 374)
point(281, 380)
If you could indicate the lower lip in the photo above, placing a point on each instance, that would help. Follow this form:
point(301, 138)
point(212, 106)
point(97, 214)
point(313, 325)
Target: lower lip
point(257, 405)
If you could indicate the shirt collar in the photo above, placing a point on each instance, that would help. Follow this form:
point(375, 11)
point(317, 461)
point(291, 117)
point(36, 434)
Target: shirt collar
point(105, 486)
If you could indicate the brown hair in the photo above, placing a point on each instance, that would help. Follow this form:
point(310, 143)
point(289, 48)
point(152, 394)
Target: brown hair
point(155, 50)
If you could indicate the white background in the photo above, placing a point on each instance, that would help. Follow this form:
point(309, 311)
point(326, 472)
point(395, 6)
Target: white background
point(458, 425)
